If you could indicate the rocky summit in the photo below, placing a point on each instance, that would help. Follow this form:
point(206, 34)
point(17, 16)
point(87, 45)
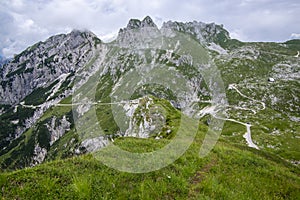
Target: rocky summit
point(73, 95)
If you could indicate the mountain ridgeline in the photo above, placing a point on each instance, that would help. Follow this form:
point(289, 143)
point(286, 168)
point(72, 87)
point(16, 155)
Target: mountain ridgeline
point(74, 94)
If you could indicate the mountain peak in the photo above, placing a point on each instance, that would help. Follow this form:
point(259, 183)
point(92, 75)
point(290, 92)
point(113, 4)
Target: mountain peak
point(136, 23)
point(133, 24)
point(147, 21)
point(83, 33)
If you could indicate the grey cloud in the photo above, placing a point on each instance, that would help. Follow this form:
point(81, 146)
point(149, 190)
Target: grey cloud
point(24, 22)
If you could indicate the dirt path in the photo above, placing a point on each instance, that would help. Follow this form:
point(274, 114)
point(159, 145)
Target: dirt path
point(248, 137)
point(233, 86)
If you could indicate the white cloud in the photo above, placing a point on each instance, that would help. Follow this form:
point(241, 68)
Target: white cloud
point(295, 36)
point(239, 35)
point(109, 37)
point(24, 22)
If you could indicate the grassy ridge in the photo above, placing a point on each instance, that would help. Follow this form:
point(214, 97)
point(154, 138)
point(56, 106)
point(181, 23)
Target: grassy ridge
point(228, 172)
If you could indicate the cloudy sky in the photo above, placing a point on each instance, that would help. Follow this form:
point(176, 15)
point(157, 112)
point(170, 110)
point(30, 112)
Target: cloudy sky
point(25, 22)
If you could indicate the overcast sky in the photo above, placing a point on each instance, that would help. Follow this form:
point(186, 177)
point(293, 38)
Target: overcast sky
point(25, 22)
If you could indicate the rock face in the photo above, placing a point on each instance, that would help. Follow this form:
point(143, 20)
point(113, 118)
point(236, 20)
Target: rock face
point(205, 33)
point(140, 124)
point(40, 77)
point(39, 155)
point(57, 129)
point(138, 34)
point(135, 23)
point(39, 65)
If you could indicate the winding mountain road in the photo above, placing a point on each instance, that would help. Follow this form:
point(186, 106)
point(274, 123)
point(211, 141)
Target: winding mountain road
point(233, 86)
point(247, 135)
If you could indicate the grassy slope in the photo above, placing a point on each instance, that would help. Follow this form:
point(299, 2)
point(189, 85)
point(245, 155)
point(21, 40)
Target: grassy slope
point(228, 172)
point(272, 129)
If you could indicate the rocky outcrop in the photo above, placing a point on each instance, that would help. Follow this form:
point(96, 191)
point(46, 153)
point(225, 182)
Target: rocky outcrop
point(204, 33)
point(138, 34)
point(39, 155)
point(57, 128)
point(136, 24)
point(92, 144)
